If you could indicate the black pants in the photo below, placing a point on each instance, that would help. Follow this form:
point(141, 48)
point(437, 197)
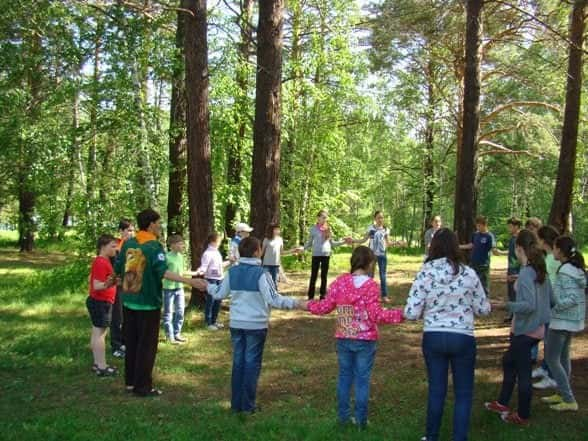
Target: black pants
point(516, 366)
point(141, 329)
point(323, 262)
point(116, 332)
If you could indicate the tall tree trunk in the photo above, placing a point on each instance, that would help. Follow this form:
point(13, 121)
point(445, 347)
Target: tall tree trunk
point(199, 167)
point(177, 136)
point(561, 206)
point(265, 186)
point(465, 209)
point(74, 152)
point(235, 154)
point(428, 165)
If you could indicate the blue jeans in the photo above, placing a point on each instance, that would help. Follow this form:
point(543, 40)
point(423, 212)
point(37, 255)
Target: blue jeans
point(382, 263)
point(441, 349)
point(356, 359)
point(173, 311)
point(273, 271)
point(211, 306)
point(247, 356)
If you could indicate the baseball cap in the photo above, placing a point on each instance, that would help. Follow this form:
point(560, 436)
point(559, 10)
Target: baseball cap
point(242, 226)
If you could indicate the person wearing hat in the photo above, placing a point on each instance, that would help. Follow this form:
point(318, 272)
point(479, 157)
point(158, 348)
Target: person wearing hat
point(242, 231)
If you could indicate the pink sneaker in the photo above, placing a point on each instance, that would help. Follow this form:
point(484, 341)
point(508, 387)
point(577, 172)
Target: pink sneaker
point(495, 406)
point(514, 418)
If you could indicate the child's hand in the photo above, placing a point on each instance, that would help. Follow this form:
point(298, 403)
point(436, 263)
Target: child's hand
point(303, 305)
point(199, 284)
point(110, 281)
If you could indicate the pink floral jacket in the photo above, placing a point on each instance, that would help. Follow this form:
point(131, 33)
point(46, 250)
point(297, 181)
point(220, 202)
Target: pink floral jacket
point(358, 309)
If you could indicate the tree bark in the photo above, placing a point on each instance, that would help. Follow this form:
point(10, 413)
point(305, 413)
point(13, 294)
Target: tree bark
point(199, 167)
point(465, 209)
point(428, 164)
point(242, 116)
point(265, 186)
point(74, 152)
point(177, 136)
point(561, 206)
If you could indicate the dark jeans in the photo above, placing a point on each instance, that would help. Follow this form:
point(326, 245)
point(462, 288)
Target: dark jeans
point(116, 330)
point(483, 272)
point(141, 330)
point(382, 263)
point(323, 262)
point(440, 350)
point(273, 271)
point(356, 360)
point(247, 356)
point(211, 306)
point(516, 366)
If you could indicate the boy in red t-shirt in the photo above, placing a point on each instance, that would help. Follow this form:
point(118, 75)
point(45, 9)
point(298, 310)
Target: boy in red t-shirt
point(100, 300)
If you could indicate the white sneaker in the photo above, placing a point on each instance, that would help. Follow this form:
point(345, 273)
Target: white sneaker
point(219, 325)
point(546, 383)
point(212, 328)
point(539, 373)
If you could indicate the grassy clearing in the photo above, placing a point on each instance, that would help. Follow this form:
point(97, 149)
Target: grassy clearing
point(48, 393)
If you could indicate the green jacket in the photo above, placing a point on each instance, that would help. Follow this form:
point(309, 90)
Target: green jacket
point(141, 268)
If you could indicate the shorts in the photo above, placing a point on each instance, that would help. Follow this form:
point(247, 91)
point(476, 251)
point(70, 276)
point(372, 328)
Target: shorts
point(100, 312)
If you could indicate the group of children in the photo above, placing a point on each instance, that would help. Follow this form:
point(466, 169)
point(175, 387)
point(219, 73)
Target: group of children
point(446, 294)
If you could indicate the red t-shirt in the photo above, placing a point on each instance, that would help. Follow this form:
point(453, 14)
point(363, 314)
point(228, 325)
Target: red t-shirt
point(101, 270)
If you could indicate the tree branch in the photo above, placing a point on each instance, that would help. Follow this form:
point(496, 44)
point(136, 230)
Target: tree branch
point(514, 104)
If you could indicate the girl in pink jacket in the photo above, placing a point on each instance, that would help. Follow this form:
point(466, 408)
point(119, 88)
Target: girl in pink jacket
point(357, 299)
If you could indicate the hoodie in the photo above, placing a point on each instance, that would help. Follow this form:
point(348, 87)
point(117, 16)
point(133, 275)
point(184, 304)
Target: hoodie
point(447, 301)
point(358, 308)
point(569, 299)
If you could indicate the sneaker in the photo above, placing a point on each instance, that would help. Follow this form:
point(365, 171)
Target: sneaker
point(172, 341)
point(539, 373)
point(546, 383)
point(386, 299)
point(514, 418)
point(118, 353)
point(495, 406)
point(180, 339)
point(563, 406)
point(552, 399)
point(212, 327)
point(219, 325)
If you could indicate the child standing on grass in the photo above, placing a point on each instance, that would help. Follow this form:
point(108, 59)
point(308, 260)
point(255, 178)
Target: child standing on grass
point(482, 245)
point(513, 266)
point(211, 267)
point(174, 301)
point(355, 295)
point(530, 314)
point(99, 302)
point(448, 295)
point(272, 248)
point(253, 294)
point(321, 244)
point(436, 224)
point(242, 230)
point(567, 317)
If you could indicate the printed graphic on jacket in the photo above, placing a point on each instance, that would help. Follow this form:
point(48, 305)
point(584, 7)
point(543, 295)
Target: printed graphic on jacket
point(134, 268)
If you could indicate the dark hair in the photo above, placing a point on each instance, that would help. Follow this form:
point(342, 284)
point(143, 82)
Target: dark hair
point(514, 222)
point(569, 249)
point(481, 220)
point(124, 223)
point(444, 244)
point(363, 258)
point(528, 242)
point(104, 240)
point(548, 234)
point(322, 213)
point(377, 212)
point(249, 246)
point(174, 238)
point(269, 233)
point(146, 218)
point(212, 237)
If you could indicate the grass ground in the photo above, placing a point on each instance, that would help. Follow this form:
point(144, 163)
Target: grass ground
point(47, 391)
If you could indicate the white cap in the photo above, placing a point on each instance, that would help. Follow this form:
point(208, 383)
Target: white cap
point(241, 226)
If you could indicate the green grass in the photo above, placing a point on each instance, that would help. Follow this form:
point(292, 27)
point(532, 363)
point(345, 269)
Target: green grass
point(48, 393)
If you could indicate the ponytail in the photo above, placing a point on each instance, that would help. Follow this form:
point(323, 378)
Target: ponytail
point(528, 242)
point(569, 250)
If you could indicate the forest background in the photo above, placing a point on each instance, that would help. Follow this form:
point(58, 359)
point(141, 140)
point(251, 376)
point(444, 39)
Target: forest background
point(108, 107)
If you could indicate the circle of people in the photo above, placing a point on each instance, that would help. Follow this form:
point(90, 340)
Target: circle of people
point(133, 277)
